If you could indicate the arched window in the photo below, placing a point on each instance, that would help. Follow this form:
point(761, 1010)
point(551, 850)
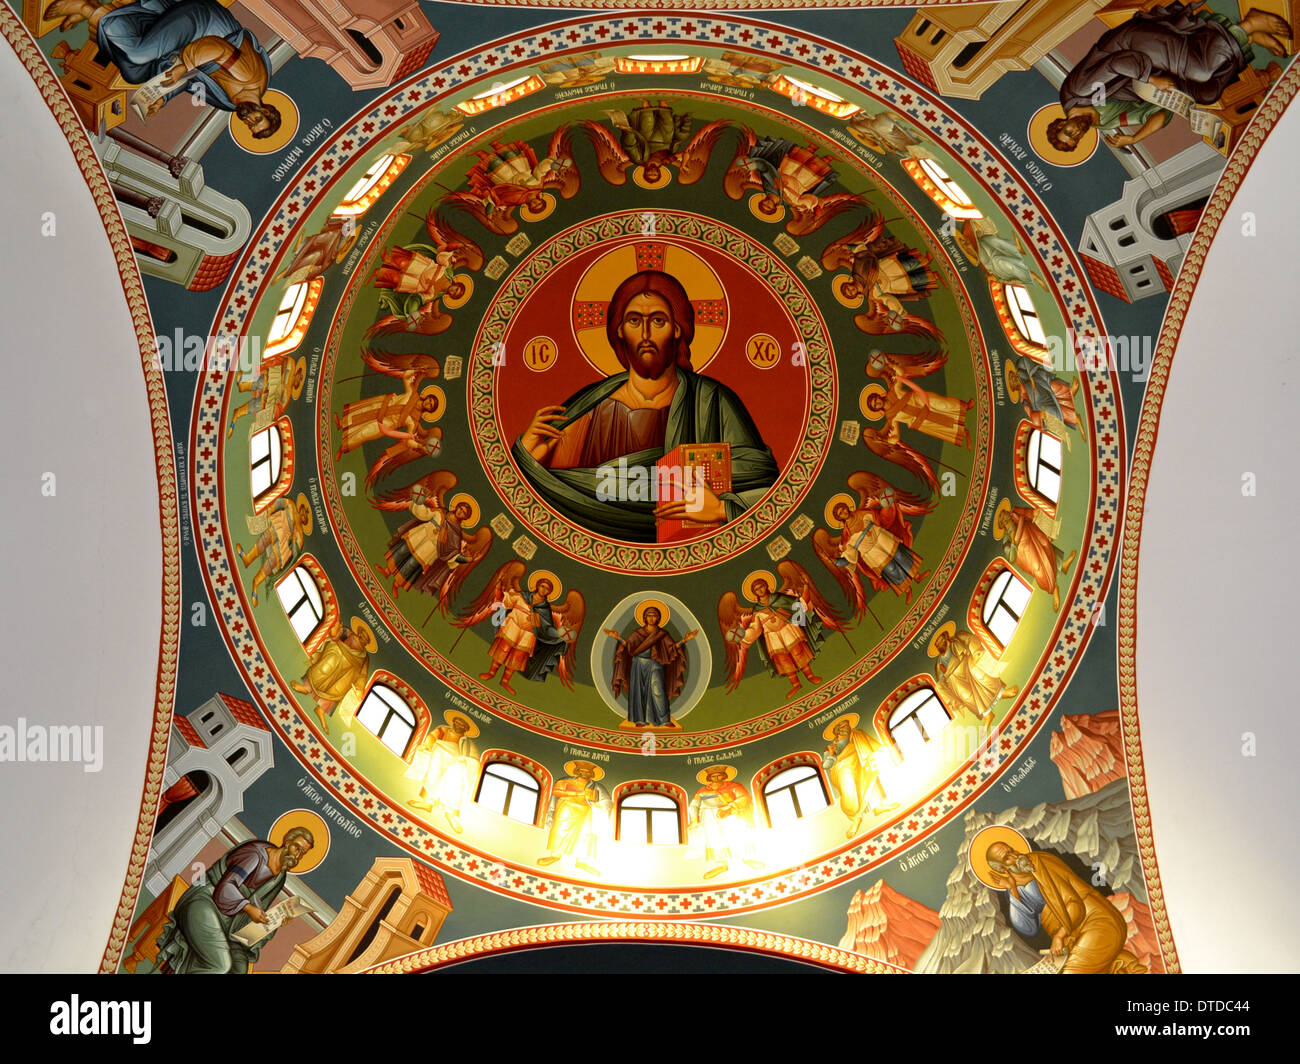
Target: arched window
point(649, 818)
point(372, 184)
point(917, 720)
point(1025, 314)
point(936, 183)
point(265, 458)
point(1043, 464)
point(1004, 606)
point(796, 792)
point(293, 317)
point(388, 717)
point(510, 791)
point(302, 601)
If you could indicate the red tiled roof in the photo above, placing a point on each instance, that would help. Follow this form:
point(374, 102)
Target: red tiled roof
point(1166, 275)
point(244, 712)
point(1105, 277)
point(431, 883)
point(915, 66)
point(187, 731)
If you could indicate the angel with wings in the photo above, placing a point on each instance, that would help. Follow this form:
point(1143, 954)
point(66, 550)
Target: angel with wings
point(536, 631)
point(789, 625)
point(510, 177)
point(651, 138)
point(434, 551)
point(420, 281)
point(783, 174)
point(874, 539)
point(883, 273)
point(887, 443)
point(901, 401)
point(406, 419)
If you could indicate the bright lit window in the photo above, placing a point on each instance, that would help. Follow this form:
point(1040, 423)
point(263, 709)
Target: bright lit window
point(1005, 606)
point(388, 717)
point(649, 818)
point(510, 791)
point(290, 310)
point(950, 188)
point(369, 179)
point(1043, 464)
point(917, 720)
point(794, 793)
point(1024, 314)
point(302, 602)
point(264, 460)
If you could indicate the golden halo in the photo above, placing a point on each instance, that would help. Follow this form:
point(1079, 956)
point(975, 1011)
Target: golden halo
point(977, 855)
point(599, 281)
point(365, 634)
point(466, 285)
point(665, 176)
point(1044, 117)
point(835, 500)
point(536, 216)
point(949, 630)
point(441, 396)
point(852, 718)
point(571, 767)
point(557, 588)
point(747, 588)
point(968, 246)
point(320, 833)
point(703, 774)
point(756, 202)
point(294, 366)
point(474, 512)
point(1015, 389)
point(1004, 508)
point(452, 714)
point(348, 245)
point(841, 282)
point(645, 604)
point(864, 396)
point(282, 136)
point(302, 501)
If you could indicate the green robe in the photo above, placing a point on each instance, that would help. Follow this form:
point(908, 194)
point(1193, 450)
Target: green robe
point(198, 939)
point(702, 411)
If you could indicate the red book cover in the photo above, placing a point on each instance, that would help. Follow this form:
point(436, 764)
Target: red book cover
point(687, 464)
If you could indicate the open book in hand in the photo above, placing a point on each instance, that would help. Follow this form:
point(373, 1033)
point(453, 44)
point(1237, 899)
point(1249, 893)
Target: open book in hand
point(276, 916)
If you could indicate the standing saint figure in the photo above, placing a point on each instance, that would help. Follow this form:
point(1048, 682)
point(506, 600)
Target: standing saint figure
point(339, 668)
point(1045, 893)
point(577, 817)
point(850, 764)
point(279, 381)
point(1048, 400)
point(281, 531)
point(966, 673)
point(650, 667)
point(724, 813)
point(1032, 549)
point(446, 763)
